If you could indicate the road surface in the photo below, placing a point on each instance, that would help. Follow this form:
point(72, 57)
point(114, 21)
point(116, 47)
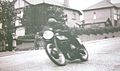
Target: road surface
point(104, 55)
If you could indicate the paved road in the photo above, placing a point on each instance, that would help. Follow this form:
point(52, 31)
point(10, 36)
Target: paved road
point(104, 55)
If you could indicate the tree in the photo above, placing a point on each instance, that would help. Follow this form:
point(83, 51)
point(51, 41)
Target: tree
point(57, 13)
point(36, 16)
point(7, 15)
point(7, 19)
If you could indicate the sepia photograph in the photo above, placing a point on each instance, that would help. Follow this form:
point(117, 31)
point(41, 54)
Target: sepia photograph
point(59, 35)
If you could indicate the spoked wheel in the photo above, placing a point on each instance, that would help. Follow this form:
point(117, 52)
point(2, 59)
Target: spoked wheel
point(57, 57)
point(84, 54)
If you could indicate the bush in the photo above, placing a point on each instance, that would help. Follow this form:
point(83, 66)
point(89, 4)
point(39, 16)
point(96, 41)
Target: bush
point(91, 31)
point(28, 36)
point(99, 31)
point(111, 29)
point(88, 31)
point(117, 29)
point(104, 30)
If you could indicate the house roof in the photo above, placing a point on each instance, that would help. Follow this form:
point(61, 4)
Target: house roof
point(117, 5)
point(54, 2)
point(101, 4)
point(14, 1)
point(35, 2)
point(49, 2)
point(61, 6)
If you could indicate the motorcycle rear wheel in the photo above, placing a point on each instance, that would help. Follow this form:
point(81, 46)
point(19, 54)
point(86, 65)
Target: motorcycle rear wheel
point(83, 53)
point(57, 58)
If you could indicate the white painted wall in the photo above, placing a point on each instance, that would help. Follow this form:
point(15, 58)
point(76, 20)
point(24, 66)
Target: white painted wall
point(20, 31)
point(100, 14)
point(118, 17)
point(73, 17)
point(20, 4)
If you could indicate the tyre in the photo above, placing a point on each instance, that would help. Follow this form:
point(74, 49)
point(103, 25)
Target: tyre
point(56, 57)
point(83, 53)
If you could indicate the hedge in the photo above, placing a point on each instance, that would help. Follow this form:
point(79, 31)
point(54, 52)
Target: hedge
point(77, 31)
point(26, 38)
point(88, 31)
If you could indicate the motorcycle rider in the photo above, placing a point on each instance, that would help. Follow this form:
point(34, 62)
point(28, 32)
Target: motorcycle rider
point(61, 28)
point(61, 44)
point(54, 24)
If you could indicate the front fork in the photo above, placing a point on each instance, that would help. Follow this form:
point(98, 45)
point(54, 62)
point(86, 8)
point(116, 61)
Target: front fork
point(56, 45)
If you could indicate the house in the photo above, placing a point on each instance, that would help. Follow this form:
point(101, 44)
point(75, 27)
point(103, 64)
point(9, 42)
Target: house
point(19, 8)
point(118, 13)
point(101, 14)
point(73, 16)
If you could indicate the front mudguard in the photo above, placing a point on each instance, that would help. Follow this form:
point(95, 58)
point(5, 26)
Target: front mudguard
point(80, 41)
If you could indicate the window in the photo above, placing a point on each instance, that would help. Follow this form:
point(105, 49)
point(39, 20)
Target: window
point(74, 16)
point(115, 14)
point(118, 17)
point(18, 23)
point(114, 11)
point(66, 17)
point(0, 25)
point(20, 13)
point(0, 9)
point(115, 17)
point(94, 15)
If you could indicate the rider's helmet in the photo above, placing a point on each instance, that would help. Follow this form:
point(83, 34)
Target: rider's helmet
point(52, 22)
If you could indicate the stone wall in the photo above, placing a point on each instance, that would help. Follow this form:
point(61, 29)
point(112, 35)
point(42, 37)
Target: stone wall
point(84, 38)
point(98, 36)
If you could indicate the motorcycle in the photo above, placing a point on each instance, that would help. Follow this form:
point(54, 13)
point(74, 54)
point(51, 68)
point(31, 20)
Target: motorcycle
point(61, 46)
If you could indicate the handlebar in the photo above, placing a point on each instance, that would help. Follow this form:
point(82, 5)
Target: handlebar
point(60, 31)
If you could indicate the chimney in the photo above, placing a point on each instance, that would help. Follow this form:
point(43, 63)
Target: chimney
point(66, 3)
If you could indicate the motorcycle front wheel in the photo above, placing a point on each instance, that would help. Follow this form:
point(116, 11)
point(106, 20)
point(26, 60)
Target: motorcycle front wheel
point(56, 57)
